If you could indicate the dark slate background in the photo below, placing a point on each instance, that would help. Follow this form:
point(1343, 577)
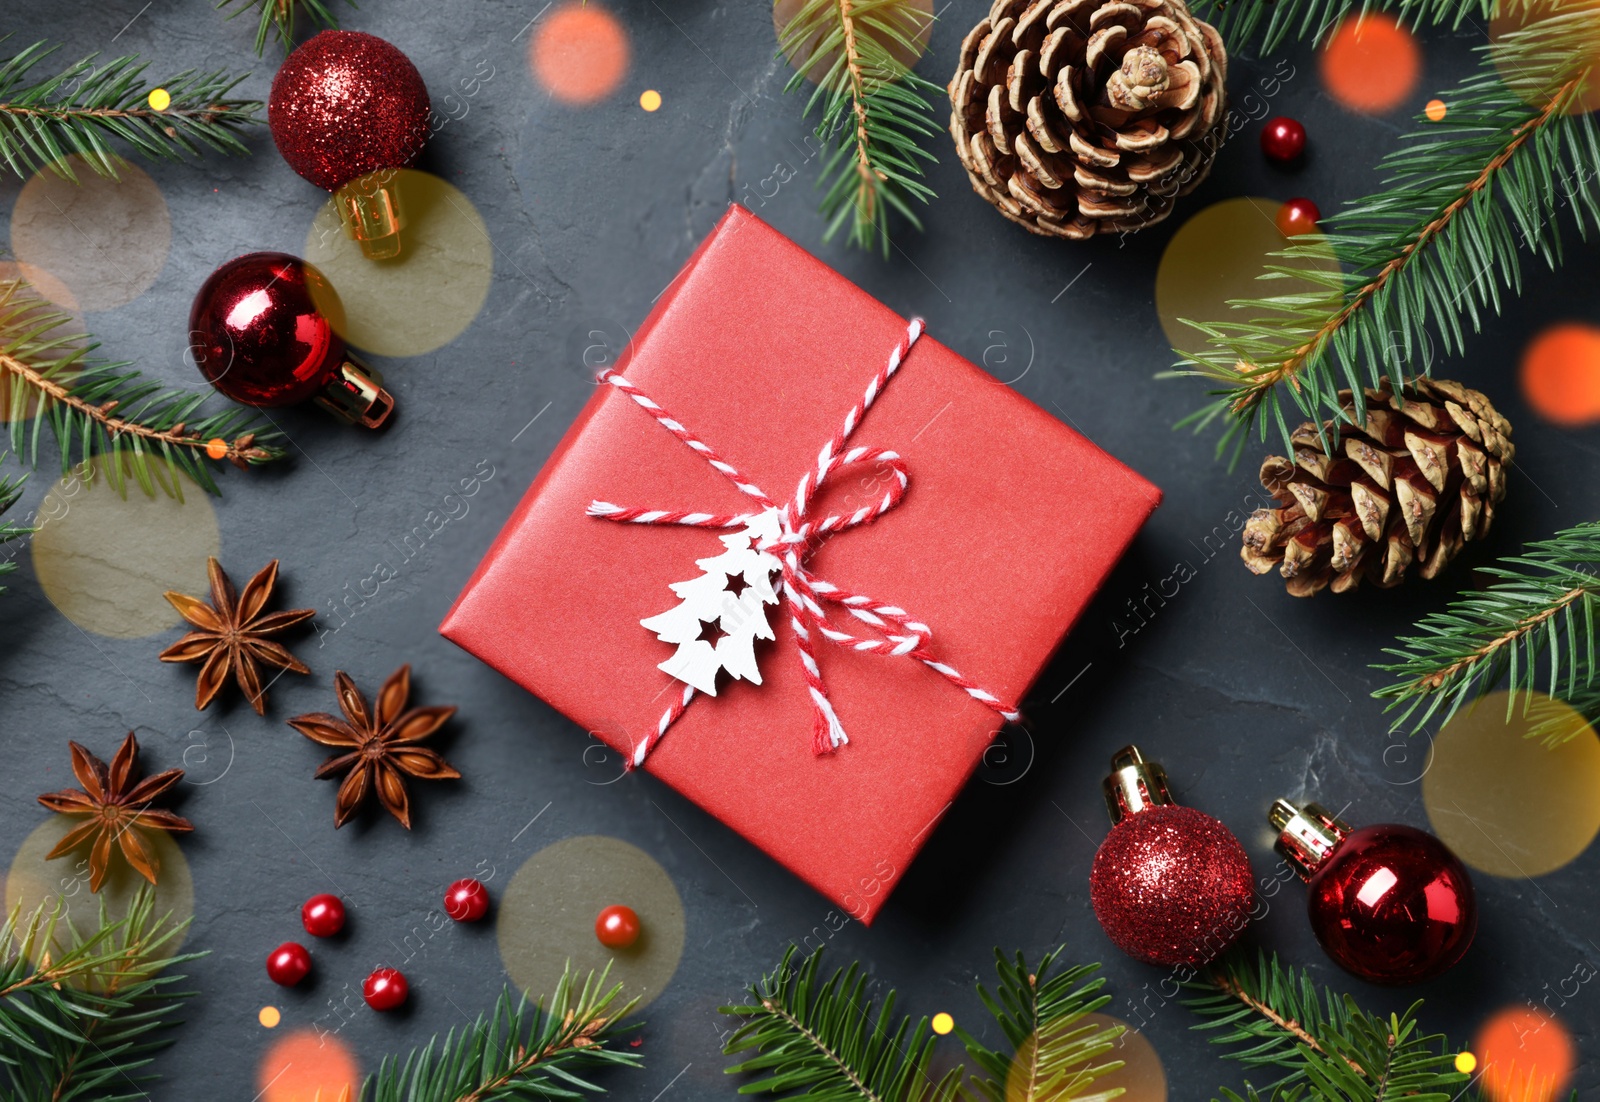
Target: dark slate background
point(591, 213)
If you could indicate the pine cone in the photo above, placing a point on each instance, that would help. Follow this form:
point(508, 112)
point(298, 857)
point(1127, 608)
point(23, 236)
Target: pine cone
point(1410, 487)
point(1078, 117)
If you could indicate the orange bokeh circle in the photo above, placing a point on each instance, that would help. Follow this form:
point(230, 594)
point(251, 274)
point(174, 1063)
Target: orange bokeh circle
point(304, 1067)
point(579, 54)
point(1524, 1055)
point(1561, 374)
point(1371, 63)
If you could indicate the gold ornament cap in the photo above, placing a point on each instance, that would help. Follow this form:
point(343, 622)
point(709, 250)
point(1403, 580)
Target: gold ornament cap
point(369, 207)
point(355, 395)
point(1134, 785)
point(1306, 835)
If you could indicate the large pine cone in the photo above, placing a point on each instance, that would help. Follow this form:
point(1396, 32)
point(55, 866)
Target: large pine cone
point(1409, 487)
point(1078, 117)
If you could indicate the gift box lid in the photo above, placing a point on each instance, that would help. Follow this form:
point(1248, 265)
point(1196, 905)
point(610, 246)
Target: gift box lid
point(1010, 524)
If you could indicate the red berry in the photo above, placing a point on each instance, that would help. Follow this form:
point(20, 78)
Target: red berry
point(617, 927)
point(288, 964)
point(1283, 139)
point(1298, 216)
point(322, 915)
point(466, 900)
point(385, 989)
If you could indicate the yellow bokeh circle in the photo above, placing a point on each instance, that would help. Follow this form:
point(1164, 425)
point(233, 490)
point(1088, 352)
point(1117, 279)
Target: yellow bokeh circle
point(912, 19)
point(1507, 804)
point(269, 1017)
point(1142, 1077)
point(106, 240)
point(546, 917)
point(425, 297)
point(105, 559)
point(61, 885)
point(942, 1023)
point(1217, 256)
point(159, 99)
point(650, 99)
point(1539, 45)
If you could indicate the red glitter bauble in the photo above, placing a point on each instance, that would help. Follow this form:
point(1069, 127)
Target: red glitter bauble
point(288, 964)
point(322, 915)
point(1391, 904)
point(257, 335)
point(386, 989)
point(1283, 139)
point(345, 104)
point(1171, 885)
point(466, 900)
point(1298, 216)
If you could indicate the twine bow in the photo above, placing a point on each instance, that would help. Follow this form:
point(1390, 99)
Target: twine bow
point(895, 632)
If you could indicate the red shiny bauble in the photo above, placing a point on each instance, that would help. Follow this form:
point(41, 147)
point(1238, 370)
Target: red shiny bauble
point(617, 927)
point(258, 335)
point(1391, 904)
point(322, 915)
point(1171, 885)
point(1283, 139)
point(385, 989)
point(1298, 216)
point(345, 104)
point(288, 964)
point(466, 900)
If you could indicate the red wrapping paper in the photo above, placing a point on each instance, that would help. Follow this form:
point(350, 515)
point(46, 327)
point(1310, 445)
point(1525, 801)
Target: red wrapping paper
point(1011, 523)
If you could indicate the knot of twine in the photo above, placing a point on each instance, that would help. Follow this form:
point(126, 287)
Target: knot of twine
point(895, 632)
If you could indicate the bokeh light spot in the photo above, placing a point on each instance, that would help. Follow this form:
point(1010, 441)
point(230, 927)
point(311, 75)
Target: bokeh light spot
point(304, 1067)
point(425, 297)
point(61, 885)
point(159, 99)
point(1507, 804)
point(943, 1023)
point(105, 559)
point(1527, 1055)
point(1531, 64)
point(1436, 110)
point(650, 99)
point(546, 916)
point(1560, 374)
point(270, 1016)
point(217, 447)
point(580, 53)
point(106, 240)
point(1216, 256)
point(1371, 63)
point(1142, 1077)
point(1466, 1063)
point(912, 18)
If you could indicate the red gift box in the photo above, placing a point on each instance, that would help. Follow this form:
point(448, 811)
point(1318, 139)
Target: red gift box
point(1010, 523)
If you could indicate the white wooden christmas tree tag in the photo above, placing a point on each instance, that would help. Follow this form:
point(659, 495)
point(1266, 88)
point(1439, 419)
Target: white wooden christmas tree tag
point(723, 612)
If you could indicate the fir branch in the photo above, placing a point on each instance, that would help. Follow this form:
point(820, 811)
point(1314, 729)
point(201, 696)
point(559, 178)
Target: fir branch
point(10, 491)
point(1534, 627)
point(874, 110)
point(1273, 1017)
point(825, 1040)
point(1052, 1050)
point(278, 17)
point(1463, 197)
point(516, 1051)
point(85, 106)
point(96, 408)
point(83, 1023)
point(1273, 22)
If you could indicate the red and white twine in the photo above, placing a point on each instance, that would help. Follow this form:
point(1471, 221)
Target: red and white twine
point(895, 633)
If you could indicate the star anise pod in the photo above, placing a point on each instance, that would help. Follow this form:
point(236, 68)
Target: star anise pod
point(118, 811)
point(380, 747)
point(233, 636)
